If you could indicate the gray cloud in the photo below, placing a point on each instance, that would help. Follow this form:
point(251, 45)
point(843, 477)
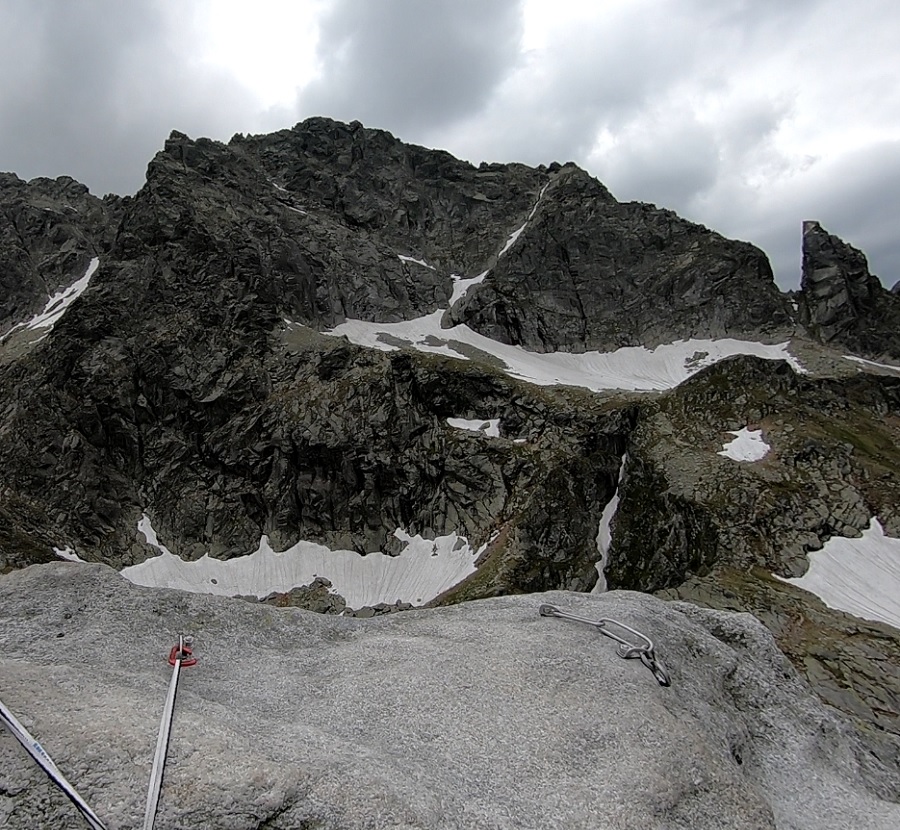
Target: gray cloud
point(583, 80)
point(856, 197)
point(91, 89)
point(661, 161)
point(684, 103)
point(403, 64)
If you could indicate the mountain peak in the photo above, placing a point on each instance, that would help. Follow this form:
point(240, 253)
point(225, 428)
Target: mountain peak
point(325, 356)
point(842, 303)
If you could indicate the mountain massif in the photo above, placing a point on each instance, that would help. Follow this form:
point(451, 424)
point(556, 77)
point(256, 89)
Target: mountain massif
point(330, 343)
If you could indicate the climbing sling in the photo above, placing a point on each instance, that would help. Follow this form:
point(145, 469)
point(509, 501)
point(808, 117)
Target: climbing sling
point(36, 751)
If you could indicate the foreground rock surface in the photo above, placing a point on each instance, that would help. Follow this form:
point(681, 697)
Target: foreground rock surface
point(481, 715)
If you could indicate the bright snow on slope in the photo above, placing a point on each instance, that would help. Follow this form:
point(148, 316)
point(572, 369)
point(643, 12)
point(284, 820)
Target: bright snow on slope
point(512, 240)
point(414, 260)
point(865, 362)
point(632, 368)
point(514, 236)
point(860, 576)
point(462, 284)
point(422, 570)
point(490, 427)
point(59, 302)
point(747, 445)
point(604, 533)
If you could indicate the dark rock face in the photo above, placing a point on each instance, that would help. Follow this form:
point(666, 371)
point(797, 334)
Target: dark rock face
point(841, 302)
point(592, 273)
point(316, 597)
point(49, 230)
point(423, 203)
point(832, 464)
point(172, 385)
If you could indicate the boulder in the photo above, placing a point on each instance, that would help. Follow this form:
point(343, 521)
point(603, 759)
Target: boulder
point(482, 715)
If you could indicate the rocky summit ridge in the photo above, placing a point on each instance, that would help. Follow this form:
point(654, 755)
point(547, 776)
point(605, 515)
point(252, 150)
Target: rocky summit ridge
point(323, 343)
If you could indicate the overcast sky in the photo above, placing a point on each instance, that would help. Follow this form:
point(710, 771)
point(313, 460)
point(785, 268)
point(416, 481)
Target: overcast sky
point(746, 115)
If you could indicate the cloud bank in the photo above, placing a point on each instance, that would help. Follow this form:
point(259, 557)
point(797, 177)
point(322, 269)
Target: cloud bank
point(745, 116)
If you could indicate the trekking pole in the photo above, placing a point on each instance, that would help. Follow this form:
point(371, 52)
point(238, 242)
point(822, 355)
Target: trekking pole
point(45, 762)
point(180, 655)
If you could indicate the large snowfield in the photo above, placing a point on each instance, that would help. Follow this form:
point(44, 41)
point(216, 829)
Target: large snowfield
point(633, 368)
point(422, 570)
point(860, 576)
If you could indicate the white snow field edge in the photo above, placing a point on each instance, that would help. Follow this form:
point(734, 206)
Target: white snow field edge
point(57, 304)
point(633, 368)
point(747, 445)
point(863, 362)
point(462, 284)
point(860, 576)
point(423, 570)
point(604, 532)
point(489, 427)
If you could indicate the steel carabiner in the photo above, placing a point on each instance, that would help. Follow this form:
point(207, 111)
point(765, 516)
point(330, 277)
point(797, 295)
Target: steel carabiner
point(625, 649)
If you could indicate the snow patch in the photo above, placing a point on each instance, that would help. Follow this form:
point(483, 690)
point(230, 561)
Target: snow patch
point(416, 261)
point(424, 569)
point(747, 445)
point(462, 284)
point(604, 533)
point(68, 554)
point(865, 362)
point(490, 428)
point(512, 240)
point(59, 302)
point(860, 576)
point(634, 368)
point(540, 196)
point(514, 236)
